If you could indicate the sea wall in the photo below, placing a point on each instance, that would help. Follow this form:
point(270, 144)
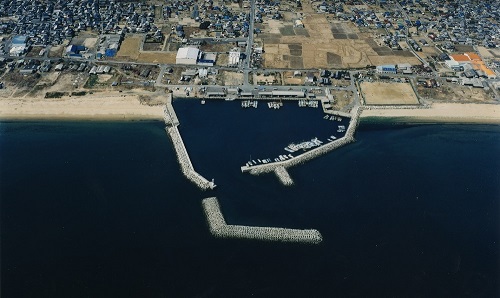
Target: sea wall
point(184, 160)
point(220, 229)
point(170, 116)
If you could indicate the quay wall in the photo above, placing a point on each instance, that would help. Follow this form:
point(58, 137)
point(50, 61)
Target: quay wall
point(337, 113)
point(220, 229)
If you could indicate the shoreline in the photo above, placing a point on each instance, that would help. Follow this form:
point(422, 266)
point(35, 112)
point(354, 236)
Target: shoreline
point(440, 113)
point(95, 108)
point(129, 108)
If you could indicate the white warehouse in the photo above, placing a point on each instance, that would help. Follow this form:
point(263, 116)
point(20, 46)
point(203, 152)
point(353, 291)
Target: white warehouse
point(187, 56)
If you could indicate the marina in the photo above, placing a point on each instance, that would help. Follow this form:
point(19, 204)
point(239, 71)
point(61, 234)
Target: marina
point(318, 150)
point(220, 229)
point(249, 104)
point(274, 105)
point(304, 103)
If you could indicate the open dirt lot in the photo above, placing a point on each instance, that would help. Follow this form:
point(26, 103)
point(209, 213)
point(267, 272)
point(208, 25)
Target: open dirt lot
point(232, 78)
point(90, 42)
point(157, 57)
point(289, 79)
point(130, 47)
point(323, 44)
point(261, 79)
point(380, 93)
point(130, 50)
point(342, 99)
point(456, 93)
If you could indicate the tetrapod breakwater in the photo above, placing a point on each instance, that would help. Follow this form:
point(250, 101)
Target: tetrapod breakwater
point(220, 229)
point(184, 160)
point(171, 122)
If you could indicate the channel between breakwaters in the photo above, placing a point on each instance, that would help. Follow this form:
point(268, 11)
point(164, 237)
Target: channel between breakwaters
point(279, 167)
point(171, 122)
point(220, 229)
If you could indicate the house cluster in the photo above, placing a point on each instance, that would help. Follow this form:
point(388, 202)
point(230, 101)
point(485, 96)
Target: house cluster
point(52, 21)
point(451, 22)
point(459, 22)
point(223, 20)
point(325, 77)
point(267, 9)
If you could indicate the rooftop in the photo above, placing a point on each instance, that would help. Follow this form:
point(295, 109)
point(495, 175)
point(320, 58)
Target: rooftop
point(187, 53)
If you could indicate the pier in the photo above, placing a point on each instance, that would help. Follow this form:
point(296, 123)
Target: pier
point(308, 155)
point(220, 229)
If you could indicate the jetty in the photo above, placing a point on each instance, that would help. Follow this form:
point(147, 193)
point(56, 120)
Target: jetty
point(279, 167)
point(283, 176)
point(171, 122)
point(220, 229)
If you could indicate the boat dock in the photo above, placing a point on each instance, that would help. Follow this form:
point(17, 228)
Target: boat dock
point(308, 155)
point(220, 229)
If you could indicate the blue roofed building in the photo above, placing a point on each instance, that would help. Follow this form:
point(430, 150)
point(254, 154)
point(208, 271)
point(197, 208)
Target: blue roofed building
point(19, 39)
point(388, 69)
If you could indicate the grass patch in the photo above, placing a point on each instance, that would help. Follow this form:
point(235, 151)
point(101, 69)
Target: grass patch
point(55, 94)
point(92, 80)
point(79, 93)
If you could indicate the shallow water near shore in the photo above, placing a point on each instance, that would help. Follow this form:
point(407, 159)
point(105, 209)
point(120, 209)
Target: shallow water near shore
point(102, 209)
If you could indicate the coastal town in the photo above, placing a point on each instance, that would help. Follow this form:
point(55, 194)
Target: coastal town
point(425, 60)
point(344, 54)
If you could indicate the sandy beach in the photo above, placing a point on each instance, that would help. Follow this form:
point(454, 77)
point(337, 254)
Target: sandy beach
point(439, 113)
point(94, 107)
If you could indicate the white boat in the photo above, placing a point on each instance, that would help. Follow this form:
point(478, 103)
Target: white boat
point(202, 101)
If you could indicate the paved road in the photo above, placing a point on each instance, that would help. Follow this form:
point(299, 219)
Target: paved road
point(248, 51)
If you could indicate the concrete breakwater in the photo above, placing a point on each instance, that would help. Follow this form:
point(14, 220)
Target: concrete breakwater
point(184, 160)
point(283, 176)
point(220, 229)
point(313, 153)
point(170, 116)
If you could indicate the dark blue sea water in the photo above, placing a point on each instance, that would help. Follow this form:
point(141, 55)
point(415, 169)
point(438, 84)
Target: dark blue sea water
point(102, 209)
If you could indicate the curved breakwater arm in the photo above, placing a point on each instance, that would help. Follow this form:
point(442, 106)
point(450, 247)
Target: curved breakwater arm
point(280, 167)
